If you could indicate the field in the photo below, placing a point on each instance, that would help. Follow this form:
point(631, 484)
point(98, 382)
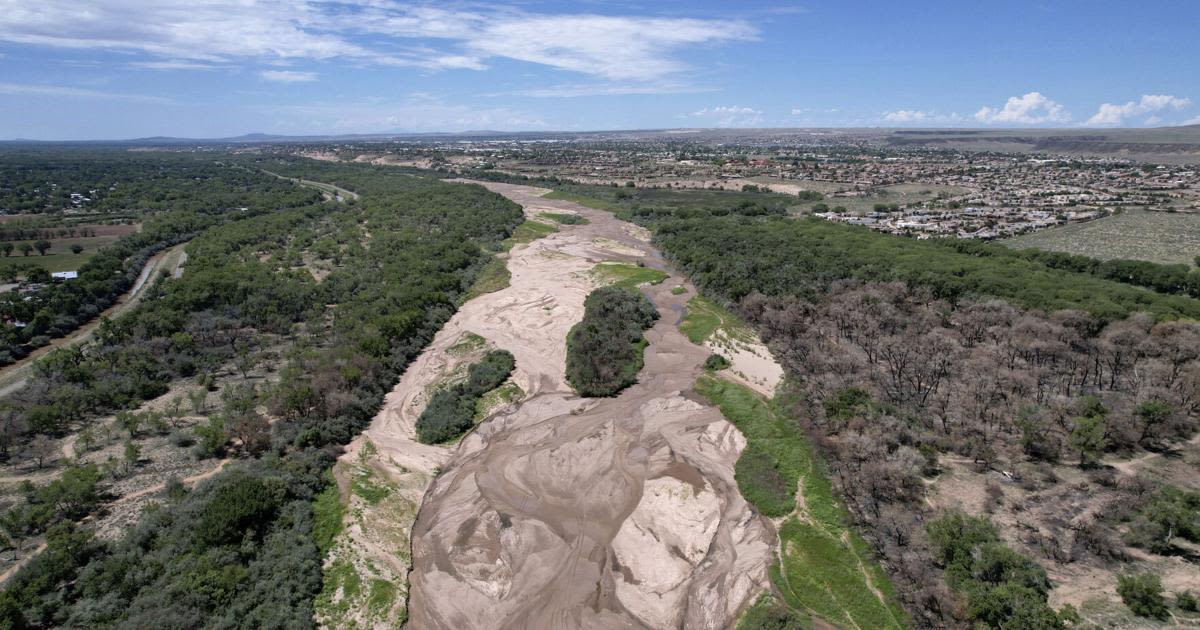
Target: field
point(60, 257)
point(824, 568)
point(1135, 234)
point(626, 275)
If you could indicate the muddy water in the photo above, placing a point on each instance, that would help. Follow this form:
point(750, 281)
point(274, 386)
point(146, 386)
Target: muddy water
point(566, 512)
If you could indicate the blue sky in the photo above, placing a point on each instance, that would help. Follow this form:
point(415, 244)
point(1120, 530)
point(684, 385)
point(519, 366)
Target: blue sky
point(86, 69)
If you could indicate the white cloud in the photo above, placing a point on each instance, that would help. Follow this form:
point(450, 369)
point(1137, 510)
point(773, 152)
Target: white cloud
point(905, 116)
point(800, 111)
point(288, 76)
point(60, 91)
point(388, 32)
point(1191, 121)
point(173, 65)
point(733, 116)
point(1030, 109)
point(1112, 115)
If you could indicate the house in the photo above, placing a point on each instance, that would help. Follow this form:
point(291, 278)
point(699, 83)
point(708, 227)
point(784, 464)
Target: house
point(65, 275)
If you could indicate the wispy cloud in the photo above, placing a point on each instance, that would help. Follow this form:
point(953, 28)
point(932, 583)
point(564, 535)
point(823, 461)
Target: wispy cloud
point(74, 92)
point(1031, 109)
point(1110, 115)
point(173, 64)
point(730, 116)
point(288, 76)
point(921, 117)
point(386, 32)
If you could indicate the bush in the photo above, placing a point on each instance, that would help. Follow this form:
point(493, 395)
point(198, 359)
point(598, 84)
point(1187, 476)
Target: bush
point(604, 350)
point(1185, 600)
point(716, 362)
point(1143, 594)
point(451, 411)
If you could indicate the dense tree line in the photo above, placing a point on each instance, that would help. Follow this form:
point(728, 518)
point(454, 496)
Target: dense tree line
point(451, 410)
point(737, 255)
point(604, 350)
point(1179, 279)
point(238, 551)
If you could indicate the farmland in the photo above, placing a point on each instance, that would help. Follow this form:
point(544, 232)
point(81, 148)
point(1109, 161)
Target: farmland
point(61, 257)
point(1154, 236)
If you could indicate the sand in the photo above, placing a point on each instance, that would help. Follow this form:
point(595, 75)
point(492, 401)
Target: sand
point(560, 511)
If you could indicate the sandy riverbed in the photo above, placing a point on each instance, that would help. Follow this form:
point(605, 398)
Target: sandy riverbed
point(560, 511)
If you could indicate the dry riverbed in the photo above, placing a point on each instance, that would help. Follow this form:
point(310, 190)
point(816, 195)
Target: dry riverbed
point(556, 511)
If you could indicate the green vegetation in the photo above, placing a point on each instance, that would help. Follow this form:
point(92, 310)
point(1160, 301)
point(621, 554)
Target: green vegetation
point(826, 570)
point(704, 318)
point(451, 411)
point(327, 517)
point(528, 232)
point(1160, 237)
point(1002, 587)
point(769, 614)
point(604, 350)
point(493, 277)
point(1143, 594)
point(680, 290)
point(732, 256)
point(565, 218)
point(243, 549)
point(716, 363)
point(626, 275)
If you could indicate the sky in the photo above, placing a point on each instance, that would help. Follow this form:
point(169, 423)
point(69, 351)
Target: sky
point(112, 69)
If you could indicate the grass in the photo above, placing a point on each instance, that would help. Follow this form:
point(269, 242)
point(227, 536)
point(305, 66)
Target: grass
point(528, 232)
point(493, 277)
point(565, 218)
point(1159, 237)
point(705, 317)
point(678, 290)
point(59, 256)
point(626, 275)
point(469, 342)
point(504, 394)
point(824, 569)
point(327, 517)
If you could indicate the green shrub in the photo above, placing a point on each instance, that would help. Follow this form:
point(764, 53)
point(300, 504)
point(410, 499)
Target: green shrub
point(1143, 594)
point(716, 362)
point(451, 411)
point(1185, 600)
point(604, 350)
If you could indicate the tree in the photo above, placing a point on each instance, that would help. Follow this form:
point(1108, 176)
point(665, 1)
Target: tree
point(1153, 413)
point(1143, 594)
point(26, 249)
point(7, 247)
point(41, 448)
point(252, 429)
point(42, 246)
point(76, 249)
point(1088, 438)
point(132, 454)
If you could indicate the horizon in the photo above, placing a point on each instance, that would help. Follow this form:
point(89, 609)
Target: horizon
point(137, 69)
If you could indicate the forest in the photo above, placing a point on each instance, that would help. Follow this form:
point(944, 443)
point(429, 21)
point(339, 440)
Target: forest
point(906, 360)
point(239, 550)
point(173, 197)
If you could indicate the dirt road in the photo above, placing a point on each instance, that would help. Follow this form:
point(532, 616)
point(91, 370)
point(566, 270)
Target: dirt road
point(564, 512)
point(13, 376)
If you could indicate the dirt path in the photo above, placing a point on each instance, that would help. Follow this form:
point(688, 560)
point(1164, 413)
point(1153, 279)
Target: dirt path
point(13, 376)
point(564, 512)
point(331, 191)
